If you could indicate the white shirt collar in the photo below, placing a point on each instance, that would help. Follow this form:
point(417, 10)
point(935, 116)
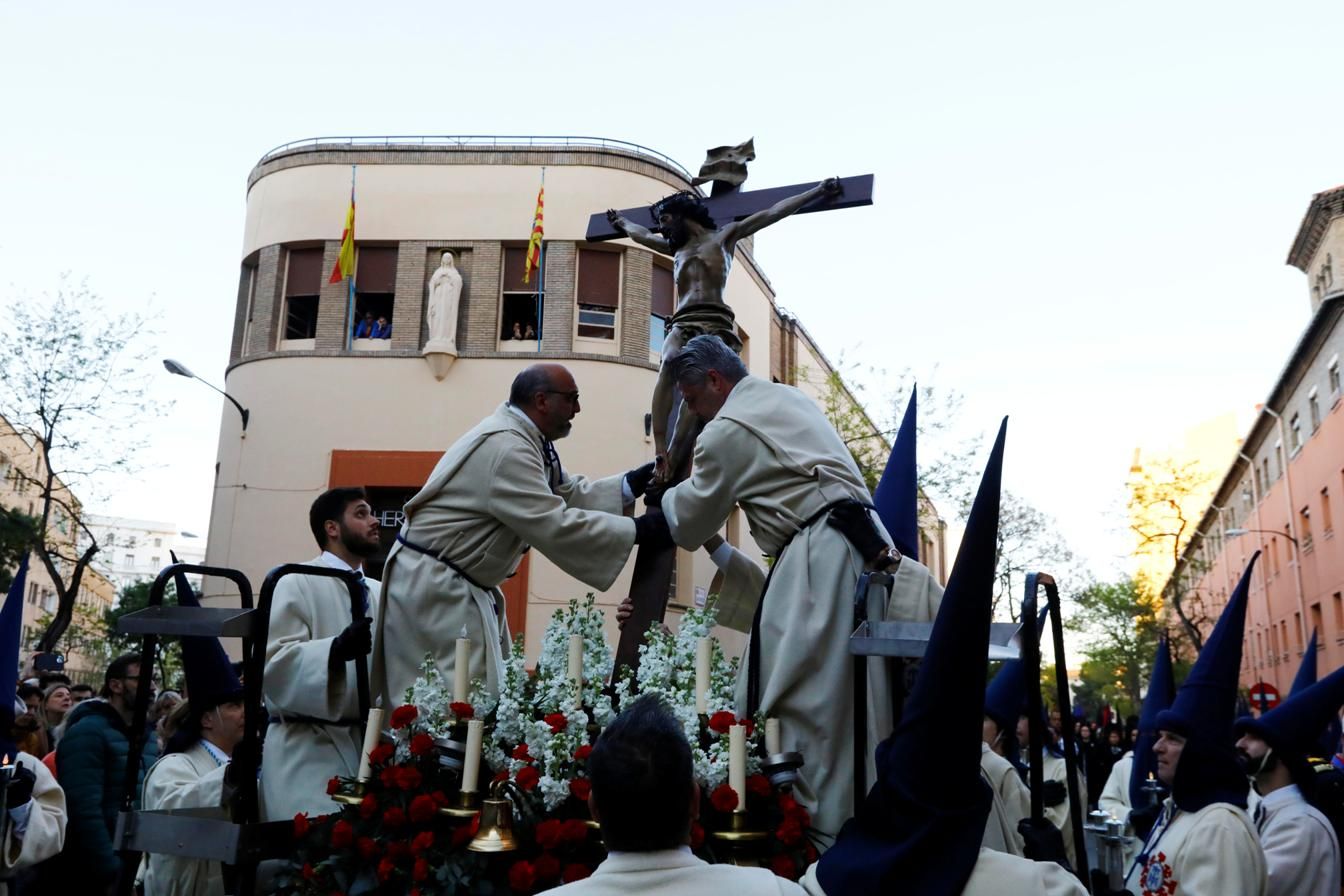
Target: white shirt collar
point(215, 752)
point(531, 427)
point(330, 559)
point(1282, 797)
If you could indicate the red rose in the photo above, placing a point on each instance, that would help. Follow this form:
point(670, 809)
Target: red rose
point(501, 776)
point(787, 804)
point(420, 870)
point(721, 721)
point(421, 744)
point(546, 866)
point(308, 872)
point(724, 798)
point(398, 849)
point(342, 834)
point(583, 752)
point(751, 726)
point(380, 754)
point(404, 715)
point(388, 776)
point(574, 830)
point(423, 808)
point(462, 710)
point(461, 837)
point(527, 777)
point(301, 825)
point(759, 785)
point(423, 841)
point(440, 798)
point(575, 871)
point(697, 835)
point(789, 833)
point(333, 785)
point(385, 868)
point(522, 877)
point(520, 753)
point(368, 848)
point(394, 818)
point(409, 778)
point(784, 866)
point(557, 721)
point(548, 833)
point(580, 787)
point(368, 806)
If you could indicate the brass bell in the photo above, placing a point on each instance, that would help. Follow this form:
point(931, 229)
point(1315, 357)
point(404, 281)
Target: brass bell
point(496, 829)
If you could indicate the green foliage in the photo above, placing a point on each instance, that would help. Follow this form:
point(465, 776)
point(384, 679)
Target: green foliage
point(136, 597)
point(18, 534)
point(1121, 629)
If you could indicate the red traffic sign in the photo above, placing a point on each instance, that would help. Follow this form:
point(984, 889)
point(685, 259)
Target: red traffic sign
point(1264, 695)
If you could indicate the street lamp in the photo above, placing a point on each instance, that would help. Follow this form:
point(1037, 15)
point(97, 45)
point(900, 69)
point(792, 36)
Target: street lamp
point(180, 369)
point(1236, 532)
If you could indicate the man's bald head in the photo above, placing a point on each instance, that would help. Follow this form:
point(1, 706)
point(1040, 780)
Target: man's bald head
point(547, 394)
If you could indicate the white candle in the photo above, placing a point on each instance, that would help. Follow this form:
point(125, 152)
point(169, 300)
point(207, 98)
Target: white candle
point(702, 654)
point(772, 745)
point(737, 764)
point(372, 731)
point(471, 763)
point(462, 671)
point(575, 670)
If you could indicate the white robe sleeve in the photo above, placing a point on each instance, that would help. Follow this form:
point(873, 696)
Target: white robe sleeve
point(697, 507)
point(1219, 859)
point(1114, 799)
point(173, 784)
point(44, 835)
point(583, 493)
point(298, 673)
point(742, 581)
point(1296, 849)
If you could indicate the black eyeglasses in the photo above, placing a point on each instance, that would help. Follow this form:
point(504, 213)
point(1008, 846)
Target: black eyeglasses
point(572, 396)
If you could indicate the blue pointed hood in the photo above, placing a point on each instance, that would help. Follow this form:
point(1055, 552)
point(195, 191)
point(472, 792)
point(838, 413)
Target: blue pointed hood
point(1306, 672)
point(210, 676)
point(1161, 691)
point(1294, 727)
point(1006, 697)
point(920, 826)
point(897, 495)
point(1204, 709)
point(11, 631)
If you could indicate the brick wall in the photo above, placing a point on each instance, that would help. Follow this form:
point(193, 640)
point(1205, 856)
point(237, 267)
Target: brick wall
point(636, 302)
point(478, 316)
point(332, 304)
point(408, 299)
point(557, 333)
point(267, 304)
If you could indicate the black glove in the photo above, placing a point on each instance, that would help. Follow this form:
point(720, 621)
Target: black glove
point(356, 641)
point(1142, 820)
point(639, 478)
point(1053, 792)
point(1042, 841)
point(20, 789)
point(653, 496)
point(651, 530)
point(854, 522)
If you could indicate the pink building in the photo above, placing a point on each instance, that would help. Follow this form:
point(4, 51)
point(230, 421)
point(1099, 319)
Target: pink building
point(1283, 493)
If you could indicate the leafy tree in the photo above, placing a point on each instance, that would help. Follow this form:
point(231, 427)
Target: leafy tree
point(92, 633)
point(1166, 500)
point(18, 534)
point(1121, 626)
point(75, 386)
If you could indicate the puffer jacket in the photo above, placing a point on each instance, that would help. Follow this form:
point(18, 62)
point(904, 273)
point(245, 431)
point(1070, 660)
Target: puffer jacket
point(91, 764)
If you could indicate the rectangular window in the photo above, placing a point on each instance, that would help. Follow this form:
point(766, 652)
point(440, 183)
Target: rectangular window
point(1314, 410)
point(1264, 469)
point(32, 593)
point(158, 542)
point(519, 301)
point(1327, 521)
point(598, 293)
point(1278, 459)
point(375, 285)
point(661, 307)
point(154, 562)
point(1338, 601)
point(1316, 618)
point(250, 273)
point(303, 282)
point(1295, 434)
point(1332, 373)
point(1304, 525)
point(127, 559)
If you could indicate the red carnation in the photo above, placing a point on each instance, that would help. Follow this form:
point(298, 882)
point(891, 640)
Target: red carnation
point(388, 776)
point(580, 787)
point(404, 715)
point(787, 804)
point(557, 721)
point(527, 777)
point(751, 726)
point(385, 868)
point(307, 871)
point(342, 834)
point(522, 877)
point(548, 833)
point(380, 754)
point(520, 753)
point(398, 849)
point(368, 806)
point(368, 848)
point(394, 818)
point(333, 785)
point(724, 798)
point(501, 776)
point(423, 808)
point(547, 867)
point(721, 721)
point(440, 798)
point(421, 744)
point(784, 866)
point(575, 871)
point(789, 832)
point(420, 870)
point(574, 830)
point(300, 824)
point(423, 841)
point(697, 835)
point(462, 710)
point(583, 752)
point(758, 785)
point(409, 778)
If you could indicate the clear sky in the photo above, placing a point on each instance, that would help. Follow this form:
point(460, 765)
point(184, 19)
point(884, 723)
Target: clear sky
point(1081, 219)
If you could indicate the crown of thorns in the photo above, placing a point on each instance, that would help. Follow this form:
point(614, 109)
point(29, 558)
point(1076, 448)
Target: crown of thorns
point(683, 204)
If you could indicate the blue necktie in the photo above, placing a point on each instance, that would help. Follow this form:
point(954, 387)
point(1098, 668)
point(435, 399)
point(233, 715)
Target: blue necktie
point(364, 587)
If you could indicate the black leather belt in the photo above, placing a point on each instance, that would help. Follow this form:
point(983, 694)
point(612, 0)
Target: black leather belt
point(295, 719)
point(421, 549)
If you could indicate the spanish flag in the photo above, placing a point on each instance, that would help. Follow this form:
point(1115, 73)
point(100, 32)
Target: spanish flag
point(345, 262)
point(534, 244)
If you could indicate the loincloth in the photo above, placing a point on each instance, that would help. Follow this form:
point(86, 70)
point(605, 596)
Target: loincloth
point(708, 319)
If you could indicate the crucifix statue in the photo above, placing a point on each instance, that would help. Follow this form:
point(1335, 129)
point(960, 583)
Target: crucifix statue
point(701, 235)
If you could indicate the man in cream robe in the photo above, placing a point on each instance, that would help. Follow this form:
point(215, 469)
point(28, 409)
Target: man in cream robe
point(1114, 801)
point(1012, 802)
point(767, 448)
point(315, 731)
point(497, 490)
point(192, 779)
point(35, 830)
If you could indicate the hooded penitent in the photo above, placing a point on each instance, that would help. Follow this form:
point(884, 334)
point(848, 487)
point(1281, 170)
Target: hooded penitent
point(920, 826)
point(210, 676)
point(11, 630)
point(1293, 728)
point(1203, 712)
point(897, 495)
point(1161, 690)
point(1006, 699)
point(1306, 672)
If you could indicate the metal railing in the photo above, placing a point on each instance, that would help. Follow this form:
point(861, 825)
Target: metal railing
point(479, 140)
